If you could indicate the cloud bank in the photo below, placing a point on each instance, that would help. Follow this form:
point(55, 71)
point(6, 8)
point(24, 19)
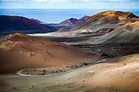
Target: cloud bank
point(77, 4)
point(66, 0)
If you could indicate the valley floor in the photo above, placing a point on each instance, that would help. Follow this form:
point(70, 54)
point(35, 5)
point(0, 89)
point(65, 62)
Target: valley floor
point(116, 75)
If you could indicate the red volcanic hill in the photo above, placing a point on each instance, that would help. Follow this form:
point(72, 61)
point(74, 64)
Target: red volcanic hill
point(10, 24)
point(20, 51)
point(73, 21)
point(84, 18)
point(70, 22)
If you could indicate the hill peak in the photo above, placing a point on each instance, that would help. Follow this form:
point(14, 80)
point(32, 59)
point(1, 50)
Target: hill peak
point(119, 13)
point(84, 18)
point(71, 22)
point(72, 19)
point(112, 15)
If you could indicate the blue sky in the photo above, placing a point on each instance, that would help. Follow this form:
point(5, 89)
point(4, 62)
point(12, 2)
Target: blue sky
point(70, 4)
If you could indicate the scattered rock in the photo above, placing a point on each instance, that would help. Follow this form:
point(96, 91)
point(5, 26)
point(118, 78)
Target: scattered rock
point(124, 64)
point(42, 73)
point(32, 86)
point(43, 70)
point(14, 88)
point(83, 80)
point(115, 91)
point(105, 55)
point(28, 73)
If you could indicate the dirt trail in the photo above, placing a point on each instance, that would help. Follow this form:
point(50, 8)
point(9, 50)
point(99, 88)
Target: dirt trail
point(58, 69)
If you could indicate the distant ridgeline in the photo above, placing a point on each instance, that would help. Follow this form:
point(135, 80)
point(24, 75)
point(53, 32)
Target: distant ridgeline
point(9, 24)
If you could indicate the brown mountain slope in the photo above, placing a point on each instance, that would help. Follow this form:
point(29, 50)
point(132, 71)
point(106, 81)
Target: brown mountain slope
point(128, 33)
point(19, 51)
point(96, 26)
point(119, 73)
point(106, 19)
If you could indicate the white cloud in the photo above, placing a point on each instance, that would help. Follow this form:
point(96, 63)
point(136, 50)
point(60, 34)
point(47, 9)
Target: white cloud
point(119, 0)
point(71, 1)
point(47, 0)
point(93, 4)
